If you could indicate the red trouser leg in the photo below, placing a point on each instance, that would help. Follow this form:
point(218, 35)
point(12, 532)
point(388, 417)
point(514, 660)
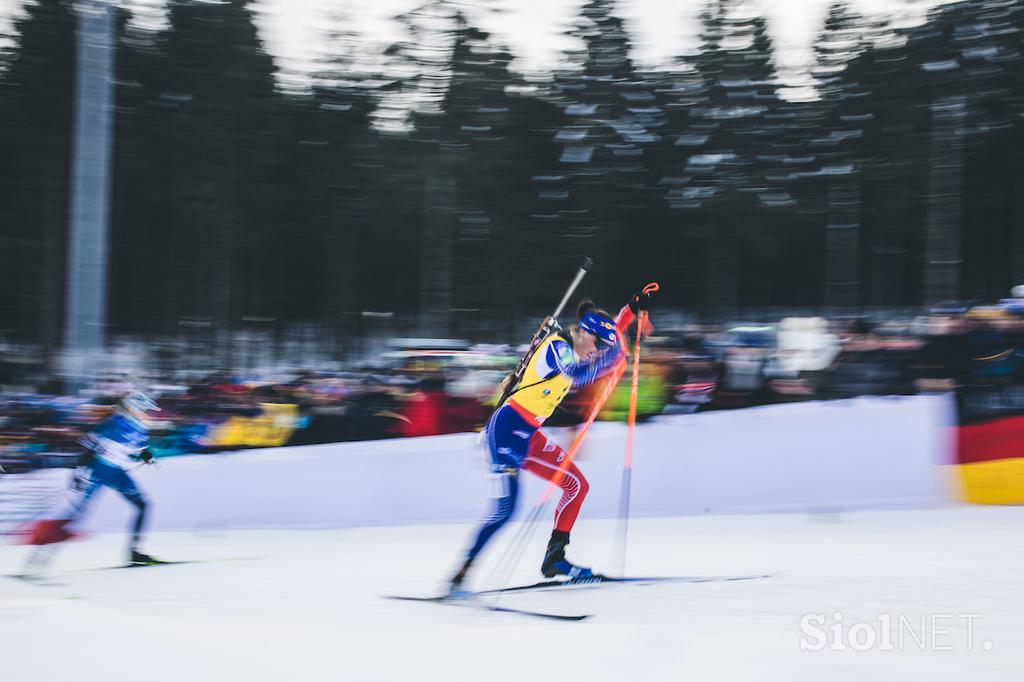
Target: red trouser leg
point(544, 459)
point(48, 532)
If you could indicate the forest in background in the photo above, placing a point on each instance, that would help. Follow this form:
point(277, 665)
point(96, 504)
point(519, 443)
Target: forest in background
point(446, 187)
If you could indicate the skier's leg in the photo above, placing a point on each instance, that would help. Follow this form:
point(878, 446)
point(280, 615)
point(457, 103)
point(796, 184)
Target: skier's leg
point(38, 560)
point(119, 480)
point(545, 460)
point(508, 437)
point(504, 494)
point(141, 507)
point(46, 534)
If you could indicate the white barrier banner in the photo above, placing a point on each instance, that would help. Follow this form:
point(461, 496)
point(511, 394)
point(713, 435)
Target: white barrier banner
point(805, 457)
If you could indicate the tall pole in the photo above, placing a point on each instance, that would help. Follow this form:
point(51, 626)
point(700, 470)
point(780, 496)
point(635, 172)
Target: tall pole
point(86, 310)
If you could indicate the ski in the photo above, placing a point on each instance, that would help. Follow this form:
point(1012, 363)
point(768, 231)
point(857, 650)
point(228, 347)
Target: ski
point(164, 563)
point(473, 603)
point(598, 580)
point(39, 580)
point(157, 562)
point(125, 566)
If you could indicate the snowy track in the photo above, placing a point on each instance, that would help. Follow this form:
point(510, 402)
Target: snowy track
point(306, 605)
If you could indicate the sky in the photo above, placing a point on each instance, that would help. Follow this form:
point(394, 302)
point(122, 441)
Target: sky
point(294, 30)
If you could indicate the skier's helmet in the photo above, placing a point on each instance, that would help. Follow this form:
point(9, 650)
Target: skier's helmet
point(601, 326)
point(138, 402)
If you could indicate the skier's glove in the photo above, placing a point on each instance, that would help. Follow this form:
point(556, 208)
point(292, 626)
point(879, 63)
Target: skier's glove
point(641, 300)
point(146, 456)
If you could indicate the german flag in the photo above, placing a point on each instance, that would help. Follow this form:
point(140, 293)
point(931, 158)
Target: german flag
point(990, 444)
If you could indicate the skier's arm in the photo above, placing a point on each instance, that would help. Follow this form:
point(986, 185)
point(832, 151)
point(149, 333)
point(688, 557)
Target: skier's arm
point(627, 316)
point(117, 437)
point(138, 440)
point(583, 373)
point(89, 442)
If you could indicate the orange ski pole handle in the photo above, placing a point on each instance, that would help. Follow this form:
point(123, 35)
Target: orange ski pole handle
point(643, 323)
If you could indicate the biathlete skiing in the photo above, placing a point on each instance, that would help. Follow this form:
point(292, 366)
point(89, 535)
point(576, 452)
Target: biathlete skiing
point(117, 445)
point(561, 361)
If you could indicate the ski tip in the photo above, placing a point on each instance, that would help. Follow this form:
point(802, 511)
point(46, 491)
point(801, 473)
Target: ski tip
point(406, 597)
point(573, 618)
point(150, 564)
point(472, 602)
point(31, 579)
point(24, 577)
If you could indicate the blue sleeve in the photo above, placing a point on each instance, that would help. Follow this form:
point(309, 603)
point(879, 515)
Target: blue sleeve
point(109, 428)
point(582, 373)
point(104, 429)
point(120, 430)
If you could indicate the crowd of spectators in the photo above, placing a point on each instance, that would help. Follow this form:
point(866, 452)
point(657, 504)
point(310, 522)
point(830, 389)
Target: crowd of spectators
point(425, 389)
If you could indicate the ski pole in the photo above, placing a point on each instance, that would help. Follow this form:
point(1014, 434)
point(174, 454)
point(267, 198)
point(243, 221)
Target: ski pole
point(152, 463)
point(627, 467)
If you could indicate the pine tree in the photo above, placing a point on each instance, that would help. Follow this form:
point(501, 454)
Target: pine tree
point(839, 146)
point(144, 267)
point(729, 169)
point(478, 145)
point(969, 59)
point(12, 244)
point(601, 189)
point(499, 154)
point(38, 87)
point(329, 172)
point(220, 102)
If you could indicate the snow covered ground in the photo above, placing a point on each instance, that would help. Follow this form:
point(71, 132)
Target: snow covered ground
point(306, 605)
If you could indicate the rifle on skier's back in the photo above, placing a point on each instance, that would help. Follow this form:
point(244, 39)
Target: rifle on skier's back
point(550, 323)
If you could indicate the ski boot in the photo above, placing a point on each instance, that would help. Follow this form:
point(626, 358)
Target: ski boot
point(455, 588)
point(140, 559)
point(35, 567)
point(555, 562)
